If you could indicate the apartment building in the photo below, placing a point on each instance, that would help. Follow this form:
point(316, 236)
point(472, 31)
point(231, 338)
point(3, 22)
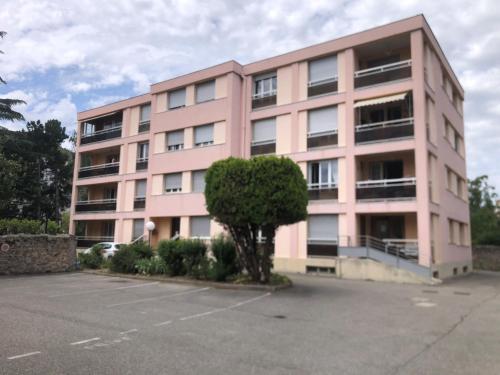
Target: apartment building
point(373, 119)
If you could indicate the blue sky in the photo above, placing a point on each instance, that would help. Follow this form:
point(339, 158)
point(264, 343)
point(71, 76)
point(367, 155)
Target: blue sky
point(64, 56)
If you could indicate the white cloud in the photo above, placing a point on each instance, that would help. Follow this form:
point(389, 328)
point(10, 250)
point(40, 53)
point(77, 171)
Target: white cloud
point(98, 48)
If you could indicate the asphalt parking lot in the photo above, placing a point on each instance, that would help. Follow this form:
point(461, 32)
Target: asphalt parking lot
point(86, 324)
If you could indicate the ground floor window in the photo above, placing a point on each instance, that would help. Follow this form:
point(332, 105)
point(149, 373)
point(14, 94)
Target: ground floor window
point(200, 226)
point(322, 235)
point(138, 229)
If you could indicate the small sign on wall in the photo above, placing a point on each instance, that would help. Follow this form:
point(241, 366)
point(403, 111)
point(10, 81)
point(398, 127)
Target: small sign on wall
point(5, 247)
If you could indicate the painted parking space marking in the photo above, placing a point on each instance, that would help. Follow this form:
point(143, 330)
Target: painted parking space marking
point(102, 290)
point(85, 341)
point(23, 355)
point(163, 323)
point(129, 331)
point(191, 291)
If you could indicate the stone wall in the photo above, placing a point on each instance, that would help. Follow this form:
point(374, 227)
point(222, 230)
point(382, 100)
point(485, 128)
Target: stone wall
point(39, 253)
point(486, 257)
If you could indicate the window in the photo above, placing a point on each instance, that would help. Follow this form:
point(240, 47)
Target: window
point(322, 121)
point(385, 170)
point(173, 182)
point(264, 85)
point(145, 113)
point(322, 174)
point(264, 131)
point(451, 231)
point(138, 229)
point(323, 70)
point(109, 229)
point(200, 226)
point(205, 91)
point(322, 229)
point(110, 193)
point(143, 151)
point(140, 188)
point(198, 181)
point(175, 140)
point(177, 98)
point(204, 135)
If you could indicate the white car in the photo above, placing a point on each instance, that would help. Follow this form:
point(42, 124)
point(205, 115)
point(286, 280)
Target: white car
point(108, 249)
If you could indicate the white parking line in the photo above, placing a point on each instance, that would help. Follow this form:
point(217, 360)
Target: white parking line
point(158, 298)
point(102, 290)
point(224, 308)
point(129, 331)
point(163, 323)
point(85, 341)
point(23, 355)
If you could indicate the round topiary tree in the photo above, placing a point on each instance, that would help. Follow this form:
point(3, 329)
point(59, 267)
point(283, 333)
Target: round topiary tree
point(246, 196)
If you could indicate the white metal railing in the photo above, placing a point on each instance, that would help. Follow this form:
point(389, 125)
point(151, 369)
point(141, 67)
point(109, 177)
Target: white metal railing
point(94, 201)
point(266, 142)
point(140, 160)
point(408, 247)
point(144, 122)
point(203, 144)
point(176, 147)
point(323, 241)
point(321, 185)
point(322, 81)
point(407, 181)
point(118, 126)
point(323, 133)
point(173, 190)
point(264, 94)
point(99, 166)
point(382, 68)
point(385, 124)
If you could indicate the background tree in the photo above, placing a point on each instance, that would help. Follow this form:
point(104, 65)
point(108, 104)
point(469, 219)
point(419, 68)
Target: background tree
point(6, 111)
point(260, 194)
point(485, 224)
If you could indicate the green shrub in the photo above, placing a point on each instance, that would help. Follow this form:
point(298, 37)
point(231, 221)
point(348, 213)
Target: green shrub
point(226, 260)
point(193, 253)
point(152, 266)
point(170, 252)
point(124, 260)
point(17, 226)
point(53, 228)
point(94, 259)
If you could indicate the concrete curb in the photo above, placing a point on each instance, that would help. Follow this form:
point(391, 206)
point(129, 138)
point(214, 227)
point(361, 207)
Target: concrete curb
point(184, 281)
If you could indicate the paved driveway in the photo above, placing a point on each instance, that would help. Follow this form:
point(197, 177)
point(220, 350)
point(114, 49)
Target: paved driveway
point(86, 324)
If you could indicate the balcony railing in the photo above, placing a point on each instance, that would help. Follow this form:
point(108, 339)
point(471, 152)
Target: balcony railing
point(96, 205)
point(141, 164)
point(328, 138)
point(139, 203)
point(88, 241)
point(144, 126)
point(264, 99)
point(322, 87)
point(322, 247)
point(317, 191)
point(99, 170)
point(263, 147)
point(398, 188)
point(382, 74)
point(385, 130)
point(102, 135)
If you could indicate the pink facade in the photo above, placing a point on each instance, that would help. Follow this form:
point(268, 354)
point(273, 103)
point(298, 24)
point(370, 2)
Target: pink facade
point(373, 119)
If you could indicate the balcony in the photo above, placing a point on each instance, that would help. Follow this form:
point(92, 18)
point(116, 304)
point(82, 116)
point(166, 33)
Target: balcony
point(139, 203)
point(144, 126)
point(97, 205)
point(329, 138)
point(264, 100)
point(323, 87)
point(318, 191)
point(102, 135)
point(141, 164)
point(263, 148)
point(99, 170)
point(397, 188)
point(385, 130)
point(382, 74)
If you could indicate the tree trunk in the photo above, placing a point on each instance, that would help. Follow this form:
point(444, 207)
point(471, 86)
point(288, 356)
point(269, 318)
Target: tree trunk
point(269, 233)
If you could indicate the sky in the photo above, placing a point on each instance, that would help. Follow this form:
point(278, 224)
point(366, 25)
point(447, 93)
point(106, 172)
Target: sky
point(64, 56)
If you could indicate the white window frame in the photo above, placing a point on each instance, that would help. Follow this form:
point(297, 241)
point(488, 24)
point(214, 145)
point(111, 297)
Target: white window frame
point(174, 189)
point(332, 177)
point(321, 133)
point(143, 151)
point(259, 83)
point(264, 141)
point(322, 81)
point(144, 121)
point(206, 143)
point(191, 227)
point(174, 91)
point(177, 146)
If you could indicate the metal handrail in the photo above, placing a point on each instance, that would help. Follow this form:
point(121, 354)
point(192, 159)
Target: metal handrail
point(385, 124)
point(323, 133)
point(382, 68)
point(141, 159)
point(264, 94)
point(407, 181)
point(98, 166)
point(109, 200)
point(266, 142)
point(321, 185)
point(102, 131)
point(322, 81)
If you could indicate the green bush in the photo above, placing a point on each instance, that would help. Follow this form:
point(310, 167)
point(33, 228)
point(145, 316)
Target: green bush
point(94, 259)
point(125, 259)
point(226, 261)
point(53, 228)
point(152, 266)
point(17, 226)
point(170, 252)
point(193, 253)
